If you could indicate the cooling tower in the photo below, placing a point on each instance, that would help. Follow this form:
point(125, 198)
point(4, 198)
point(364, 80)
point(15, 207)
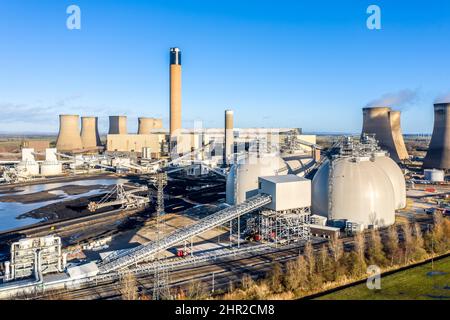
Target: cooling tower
point(89, 133)
point(229, 136)
point(117, 125)
point(397, 135)
point(175, 91)
point(385, 124)
point(147, 124)
point(438, 155)
point(69, 138)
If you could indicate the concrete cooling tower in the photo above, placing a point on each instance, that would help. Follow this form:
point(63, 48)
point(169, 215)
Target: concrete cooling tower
point(385, 124)
point(438, 155)
point(117, 125)
point(356, 190)
point(242, 181)
point(145, 125)
point(69, 138)
point(89, 133)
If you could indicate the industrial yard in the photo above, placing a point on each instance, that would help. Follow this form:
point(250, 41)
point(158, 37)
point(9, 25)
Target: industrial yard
point(128, 201)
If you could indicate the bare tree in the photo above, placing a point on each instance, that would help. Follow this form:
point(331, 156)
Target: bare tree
point(309, 258)
point(408, 242)
point(274, 278)
point(392, 248)
point(375, 251)
point(336, 248)
point(196, 290)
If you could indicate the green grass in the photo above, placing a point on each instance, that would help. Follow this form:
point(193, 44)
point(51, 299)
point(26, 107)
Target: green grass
point(412, 284)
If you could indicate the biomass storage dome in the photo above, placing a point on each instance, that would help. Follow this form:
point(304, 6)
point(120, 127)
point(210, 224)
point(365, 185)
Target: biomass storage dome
point(396, 176)
point(242, 181)
point(356, 190)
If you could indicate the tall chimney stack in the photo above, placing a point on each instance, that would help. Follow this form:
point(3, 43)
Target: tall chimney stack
point(117, 125)
point(229, 136)
point(175, 93)
point(438, 155)
point(69, 138)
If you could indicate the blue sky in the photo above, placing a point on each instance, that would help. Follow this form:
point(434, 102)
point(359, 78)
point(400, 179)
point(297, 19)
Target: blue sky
point(309, 64)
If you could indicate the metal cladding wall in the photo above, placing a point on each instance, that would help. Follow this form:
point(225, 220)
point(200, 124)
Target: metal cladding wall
point(229, 135)
point(360, 192)
point(438, 155)
point(397, 135)
point(89, 133)
point(69, 138)
point(145, 125)
point(377, 121)
point(175, 91)
point(117, 125)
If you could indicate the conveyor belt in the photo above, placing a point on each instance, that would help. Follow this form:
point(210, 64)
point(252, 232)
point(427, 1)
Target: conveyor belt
point(143, 252)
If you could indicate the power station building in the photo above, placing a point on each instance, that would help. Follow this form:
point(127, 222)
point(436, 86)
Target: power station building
point(438, 155)
point(384, 123)
point(90, 136)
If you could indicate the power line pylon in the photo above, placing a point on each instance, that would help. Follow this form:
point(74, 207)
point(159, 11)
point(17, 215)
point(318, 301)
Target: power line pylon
point(161, 277)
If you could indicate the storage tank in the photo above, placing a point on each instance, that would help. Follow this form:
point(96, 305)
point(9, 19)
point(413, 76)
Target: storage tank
point(434, 175)
point(355, 190)
point(242, 181)
point(396, 177)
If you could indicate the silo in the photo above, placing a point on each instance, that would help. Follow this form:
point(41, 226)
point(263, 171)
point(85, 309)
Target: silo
point(353, 189)
point(145, 125)
point(438, 155)
point(69, 138)
point(89, 133)
point(229, 136)
point(377, 120)
point(242, 181)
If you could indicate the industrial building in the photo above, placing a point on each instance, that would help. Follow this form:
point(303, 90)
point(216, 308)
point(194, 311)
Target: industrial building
point(384, 123)
point(35, 257)
point(438, 155)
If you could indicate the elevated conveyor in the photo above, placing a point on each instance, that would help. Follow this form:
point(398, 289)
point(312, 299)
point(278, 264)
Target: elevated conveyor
point(141, 253)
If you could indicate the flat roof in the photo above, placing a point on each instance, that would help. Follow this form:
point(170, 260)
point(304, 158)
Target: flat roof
point(318, 226)
point(283, 178)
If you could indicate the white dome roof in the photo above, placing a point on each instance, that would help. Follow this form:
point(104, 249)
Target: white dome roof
point(361, 192)
point(397, 178)
point(242, 181)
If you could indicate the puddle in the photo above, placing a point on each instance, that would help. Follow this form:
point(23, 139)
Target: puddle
point(9, 211)
point(436, 273)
